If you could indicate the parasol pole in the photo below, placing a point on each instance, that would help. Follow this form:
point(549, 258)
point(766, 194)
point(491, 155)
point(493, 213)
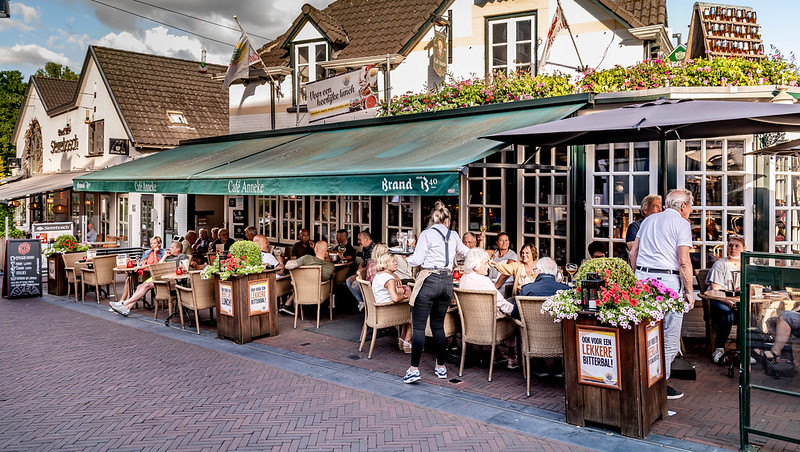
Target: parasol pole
point(662, 155)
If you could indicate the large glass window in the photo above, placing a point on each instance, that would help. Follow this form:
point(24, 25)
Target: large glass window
point(326, 218)
point(399, 216)
point(292, 209)
point(307, 69)
point(122, 218)
point(715, 172)
point(511, 45)
point(147, 220)
point(170, 219)
point(786, 187)
point(545, 197)
point(267, 214)
point(622, 174)
point(356, 214)
point(486, 195)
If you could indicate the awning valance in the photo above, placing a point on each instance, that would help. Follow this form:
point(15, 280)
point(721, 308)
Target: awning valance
point(407, 158)
point(40, 183)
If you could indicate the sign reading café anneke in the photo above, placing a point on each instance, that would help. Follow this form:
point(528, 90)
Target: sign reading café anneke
point(598, 356)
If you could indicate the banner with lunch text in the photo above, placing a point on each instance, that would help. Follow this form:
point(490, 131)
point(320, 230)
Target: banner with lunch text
point(343, 93)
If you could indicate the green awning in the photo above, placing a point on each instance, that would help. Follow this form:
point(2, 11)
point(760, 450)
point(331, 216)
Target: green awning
point(375, 157)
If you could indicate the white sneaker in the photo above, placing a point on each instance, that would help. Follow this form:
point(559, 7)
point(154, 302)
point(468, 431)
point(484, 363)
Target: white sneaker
point(717, 355)
point(360, 305)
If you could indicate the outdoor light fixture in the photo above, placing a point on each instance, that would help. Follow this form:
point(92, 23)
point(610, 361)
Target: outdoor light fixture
point(59, 208)
point(14, 203)
point(88, 202)
point(590, 291)
point(35, 206)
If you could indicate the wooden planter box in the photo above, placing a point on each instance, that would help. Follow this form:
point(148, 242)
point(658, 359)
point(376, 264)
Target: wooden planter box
point(611, 376)
point(243, 317)
point(56, 276)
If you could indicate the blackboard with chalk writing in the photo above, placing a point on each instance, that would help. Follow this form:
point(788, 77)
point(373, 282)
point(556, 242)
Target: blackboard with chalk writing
point(22, 269)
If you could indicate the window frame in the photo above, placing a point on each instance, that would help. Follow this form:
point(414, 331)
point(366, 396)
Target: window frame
point(312, 65)
point(511, 53)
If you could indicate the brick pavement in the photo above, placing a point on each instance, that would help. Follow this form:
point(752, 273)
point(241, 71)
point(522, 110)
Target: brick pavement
point(78, 382)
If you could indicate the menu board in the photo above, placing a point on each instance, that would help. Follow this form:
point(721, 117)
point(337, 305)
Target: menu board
point(22, 269)
point(654, 351)
point(598, 359)
point(259, 296)
point(226, 298)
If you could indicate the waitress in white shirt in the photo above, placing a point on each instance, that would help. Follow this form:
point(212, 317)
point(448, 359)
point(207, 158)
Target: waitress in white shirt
point(437, 247)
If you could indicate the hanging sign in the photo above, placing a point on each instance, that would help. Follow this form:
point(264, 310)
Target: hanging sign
point(259, 296)
point(226, 298)
point(598, 356)
point(118, 146)
point(679, 54)
point(22, 269)
point(343, 93)
point(654, 354)
point(439, 53)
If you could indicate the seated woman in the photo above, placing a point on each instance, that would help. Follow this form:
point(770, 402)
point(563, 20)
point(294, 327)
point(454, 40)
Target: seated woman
point(387, 289)
point(378, 250)
point(476, 268)
point(523, 271)
point(718, 279)
point(788, 324)
point(124, 307)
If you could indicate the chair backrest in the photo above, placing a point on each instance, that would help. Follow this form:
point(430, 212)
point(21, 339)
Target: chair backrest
point(369, 301)
point(162, 268)
point(542, 334)
point(202, 291)
point(283, 286)
point(362, 273)
point(306, 284)
point(70, 259)
point(104, 269)
point(701, 279)
point(478, 312)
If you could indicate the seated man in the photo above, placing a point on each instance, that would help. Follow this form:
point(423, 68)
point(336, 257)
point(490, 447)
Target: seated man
point(201, 245)
point(318, 258)
point(469, 239)
point(545, 285)
point(303, 247)
point(719, 278)
point(224, 239)
point(367, 245)
point(188, 241)
point(342, 240)
point(250, 232)
point(124, 307)
point(268, 258)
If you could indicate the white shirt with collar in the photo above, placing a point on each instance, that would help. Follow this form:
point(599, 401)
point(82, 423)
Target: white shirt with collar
point(659, 238)
point(430, 250)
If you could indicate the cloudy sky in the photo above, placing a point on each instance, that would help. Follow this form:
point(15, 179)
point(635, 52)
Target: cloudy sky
point(60, 30)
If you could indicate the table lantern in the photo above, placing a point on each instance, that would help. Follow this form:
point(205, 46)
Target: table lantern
point(590, 291)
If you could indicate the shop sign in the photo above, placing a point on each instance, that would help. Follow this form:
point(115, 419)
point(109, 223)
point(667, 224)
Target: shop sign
point(654, 352)
point(226, 298)
point(45, 232)
point(343, 93)
point(598, 356)
point(439, 53)
point(414, 184)
point(64, 145)
point(145, 186)
point(243, 187)
point(118, 146)
point(259, 296)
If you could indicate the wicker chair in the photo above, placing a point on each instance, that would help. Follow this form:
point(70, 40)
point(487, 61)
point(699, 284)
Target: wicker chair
point(480, 323)
point(163, 288)
point(199, 296)
point(101, 274)
point(310, 289)
point(383, 316)
point(701, 276)
point(73, 274)
point(283, 286)
point(541, 337)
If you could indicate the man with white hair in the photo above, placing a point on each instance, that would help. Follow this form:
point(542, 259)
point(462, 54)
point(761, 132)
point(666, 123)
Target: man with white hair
point(545, 284)
point(661, 251)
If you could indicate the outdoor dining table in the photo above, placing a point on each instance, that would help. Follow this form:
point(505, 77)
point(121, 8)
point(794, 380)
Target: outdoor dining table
point(759, 306)
point(131, 277)
point(179, 279)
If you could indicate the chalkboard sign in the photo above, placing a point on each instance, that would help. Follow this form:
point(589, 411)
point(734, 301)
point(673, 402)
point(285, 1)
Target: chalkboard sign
point(22, 269)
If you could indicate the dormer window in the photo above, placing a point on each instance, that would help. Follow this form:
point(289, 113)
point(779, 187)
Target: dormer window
point(176, 118)
point(307, 58)
point(511, 45)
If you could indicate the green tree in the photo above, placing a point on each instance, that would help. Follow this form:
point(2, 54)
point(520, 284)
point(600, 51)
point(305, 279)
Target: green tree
point(56, 70)
point(12, 95)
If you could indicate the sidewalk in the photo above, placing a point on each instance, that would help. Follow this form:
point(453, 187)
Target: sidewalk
point(321, 396)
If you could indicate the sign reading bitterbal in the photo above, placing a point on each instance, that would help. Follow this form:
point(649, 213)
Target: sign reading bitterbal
point(598, 356)
point(226, 298)
point(259, 296)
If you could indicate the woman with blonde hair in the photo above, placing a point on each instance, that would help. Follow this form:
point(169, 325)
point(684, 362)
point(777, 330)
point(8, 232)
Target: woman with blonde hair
point(436, 251)
point(523, 271)
point(387, 289)
point(377, 251)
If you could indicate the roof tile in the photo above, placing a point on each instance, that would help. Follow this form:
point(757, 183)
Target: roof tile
point(55, 92)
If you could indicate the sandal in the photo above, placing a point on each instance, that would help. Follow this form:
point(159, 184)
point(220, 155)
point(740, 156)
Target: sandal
point(762, 355)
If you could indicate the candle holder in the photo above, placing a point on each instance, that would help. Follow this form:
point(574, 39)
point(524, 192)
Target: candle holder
point(590, 291)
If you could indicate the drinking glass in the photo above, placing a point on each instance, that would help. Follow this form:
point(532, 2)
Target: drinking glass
point(409, 240)
point(571, 269)
point(399, 239)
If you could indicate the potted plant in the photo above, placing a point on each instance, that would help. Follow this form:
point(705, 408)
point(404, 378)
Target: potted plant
point(623, 302)
point(66, 243)
point(57, 281)
point(245, 293)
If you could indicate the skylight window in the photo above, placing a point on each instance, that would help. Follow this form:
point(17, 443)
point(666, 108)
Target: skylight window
point(177, 118)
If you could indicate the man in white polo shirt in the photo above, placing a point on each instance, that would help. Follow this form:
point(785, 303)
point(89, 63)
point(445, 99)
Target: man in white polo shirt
point(661, 251)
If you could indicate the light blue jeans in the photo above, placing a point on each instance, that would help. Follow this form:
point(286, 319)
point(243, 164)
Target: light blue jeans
point(355, 288)
point(673, 321)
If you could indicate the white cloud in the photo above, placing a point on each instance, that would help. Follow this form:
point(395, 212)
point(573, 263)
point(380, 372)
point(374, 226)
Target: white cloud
point(65, 38)
point(158, 41)
point(23, 17)
point(30, 54)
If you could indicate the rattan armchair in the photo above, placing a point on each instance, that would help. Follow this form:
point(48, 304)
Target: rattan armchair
point(383, 316)
point(480, 322)
point(163, 288)
point(199, 296)
point(541, 336)
point(101, 274)
point(309, 289)
point(73, 274)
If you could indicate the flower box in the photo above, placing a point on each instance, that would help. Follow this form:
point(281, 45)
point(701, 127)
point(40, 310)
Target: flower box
point(247, 306)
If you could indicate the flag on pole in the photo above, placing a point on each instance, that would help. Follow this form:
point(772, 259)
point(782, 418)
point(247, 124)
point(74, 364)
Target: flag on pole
point(559, 23)
point(244, 56)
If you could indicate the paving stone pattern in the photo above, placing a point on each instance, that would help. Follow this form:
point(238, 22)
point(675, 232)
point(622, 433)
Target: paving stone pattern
point(76, 382)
